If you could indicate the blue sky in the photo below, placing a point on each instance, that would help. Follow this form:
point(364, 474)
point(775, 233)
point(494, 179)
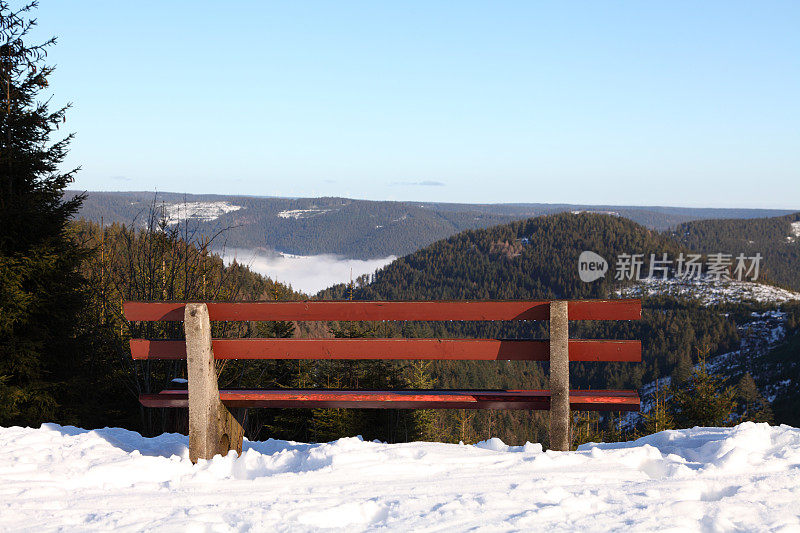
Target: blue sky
point(643, 103)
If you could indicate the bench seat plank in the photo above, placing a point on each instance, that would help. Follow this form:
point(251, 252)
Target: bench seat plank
point(394, 349)
point(583, 400)
point(311, 310)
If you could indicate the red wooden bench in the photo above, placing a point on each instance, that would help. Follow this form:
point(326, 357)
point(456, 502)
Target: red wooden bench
point(213, 430)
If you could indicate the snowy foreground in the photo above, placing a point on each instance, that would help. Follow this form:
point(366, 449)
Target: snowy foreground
point(745, 478)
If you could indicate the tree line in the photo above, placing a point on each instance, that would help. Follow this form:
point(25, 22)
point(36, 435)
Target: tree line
point(773, 238)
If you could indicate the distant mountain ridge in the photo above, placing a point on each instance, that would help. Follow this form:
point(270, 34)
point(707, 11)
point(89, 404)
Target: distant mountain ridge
point(359, 229)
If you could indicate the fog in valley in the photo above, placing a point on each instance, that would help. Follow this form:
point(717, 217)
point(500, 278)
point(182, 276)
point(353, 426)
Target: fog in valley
point(305, 273)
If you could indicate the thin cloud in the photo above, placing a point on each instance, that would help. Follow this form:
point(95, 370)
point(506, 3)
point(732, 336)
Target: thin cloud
point(423, 183)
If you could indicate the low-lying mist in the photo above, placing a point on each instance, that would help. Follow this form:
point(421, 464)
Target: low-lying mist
point(305, 273)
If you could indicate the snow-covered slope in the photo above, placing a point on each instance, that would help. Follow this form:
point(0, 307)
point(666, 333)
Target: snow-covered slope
point(710, 292)
point(302, 213)
point(761, 332)
point(704, 479)
point(202, 211)
point(794, 228)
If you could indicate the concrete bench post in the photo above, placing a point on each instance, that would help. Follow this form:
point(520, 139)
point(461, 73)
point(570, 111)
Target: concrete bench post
point(559, 377)
point(212, 428)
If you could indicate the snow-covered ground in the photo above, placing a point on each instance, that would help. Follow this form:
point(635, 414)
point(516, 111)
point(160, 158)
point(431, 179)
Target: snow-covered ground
point(594, 211)
point(795, 231)
point(203, 211)
point(745, 478)
point(302, 213)
point(709, 292)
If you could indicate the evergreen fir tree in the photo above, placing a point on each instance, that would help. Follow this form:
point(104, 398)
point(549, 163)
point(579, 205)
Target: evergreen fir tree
point(423, 421)
point(659, 417)
point(40, 288)
point(754, 406)
point(683, 370)
point(703, 400)
point(586, 428)
point(465, 431)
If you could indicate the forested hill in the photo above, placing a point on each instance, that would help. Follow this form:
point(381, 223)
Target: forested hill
point(534, 258)
point(356, 228)
point(538, 258)
point(776, 239)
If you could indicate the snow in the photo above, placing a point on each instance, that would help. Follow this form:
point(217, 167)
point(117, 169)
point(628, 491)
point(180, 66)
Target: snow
point(203, 211)
point(795, 231)
point(709, 291)
point(302, 213)
point(745, 478)
point(594, 211)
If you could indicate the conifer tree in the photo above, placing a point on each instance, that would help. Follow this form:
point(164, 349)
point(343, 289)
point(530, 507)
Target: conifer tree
point(754, 406)
point(465, 432)
point(586, 428)
point(683, 369)
point(423, 421)
point(40, 289)
point(703, 399)
point(659, 418)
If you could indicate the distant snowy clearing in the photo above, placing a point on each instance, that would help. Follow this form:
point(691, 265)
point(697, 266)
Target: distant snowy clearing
point(710, 291)
point(202, 211)
point(795, 230)
point(745, 478)
point(302, 213)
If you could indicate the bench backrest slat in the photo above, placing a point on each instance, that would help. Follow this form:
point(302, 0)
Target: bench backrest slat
point(396, 349)
point(321, 310)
